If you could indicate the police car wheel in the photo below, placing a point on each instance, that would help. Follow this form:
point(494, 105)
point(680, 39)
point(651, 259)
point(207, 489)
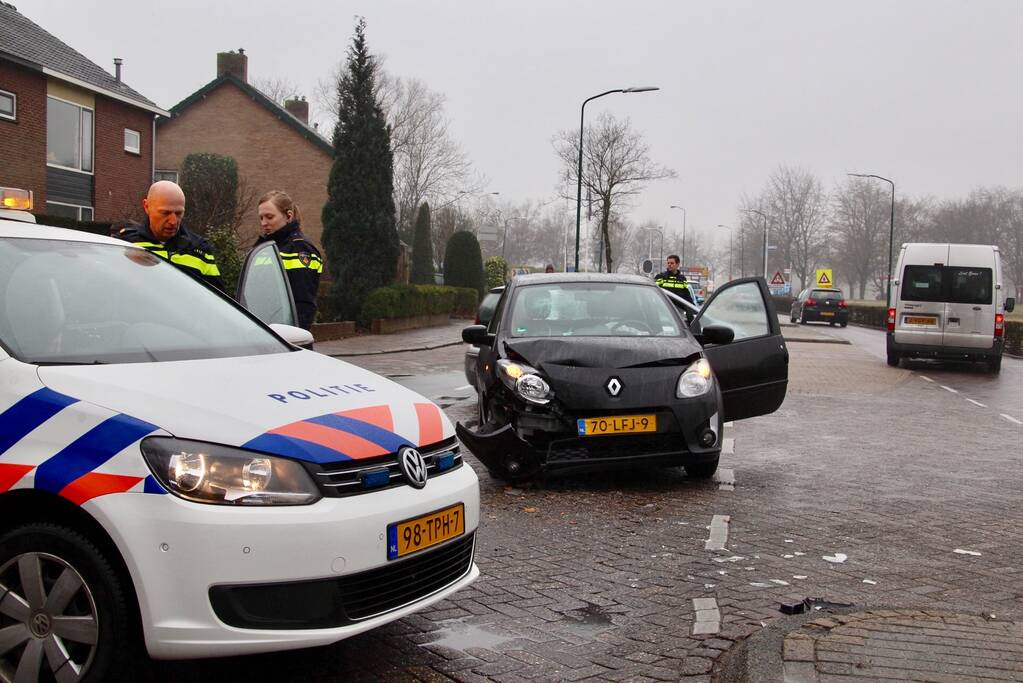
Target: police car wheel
point(64, 615)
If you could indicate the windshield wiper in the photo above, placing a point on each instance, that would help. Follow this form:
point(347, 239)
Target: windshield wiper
point(48, 363)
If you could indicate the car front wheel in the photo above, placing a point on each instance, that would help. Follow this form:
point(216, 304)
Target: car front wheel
point(65, 614)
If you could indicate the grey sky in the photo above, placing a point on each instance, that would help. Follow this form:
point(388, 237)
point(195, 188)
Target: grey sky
point(927, 93)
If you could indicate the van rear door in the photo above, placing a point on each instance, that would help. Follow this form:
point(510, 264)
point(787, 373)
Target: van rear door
point(920, 309)
point(970, 305)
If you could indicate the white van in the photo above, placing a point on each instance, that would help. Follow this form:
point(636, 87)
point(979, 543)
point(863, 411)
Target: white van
point(947, 302)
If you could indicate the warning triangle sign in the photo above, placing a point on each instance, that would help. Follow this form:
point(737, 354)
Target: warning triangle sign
point(824, 279)
point(777, 279)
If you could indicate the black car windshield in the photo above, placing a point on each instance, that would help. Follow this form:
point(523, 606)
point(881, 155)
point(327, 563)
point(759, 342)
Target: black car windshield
point(826, 295)
point(591, 309)
point(65, 302)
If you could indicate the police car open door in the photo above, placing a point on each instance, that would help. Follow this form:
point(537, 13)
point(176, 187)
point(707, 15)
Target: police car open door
point(752, 369)
point(263, 287)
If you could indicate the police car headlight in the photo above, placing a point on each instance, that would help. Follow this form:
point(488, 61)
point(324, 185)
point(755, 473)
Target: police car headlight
point(696, 380)
point(220, 475)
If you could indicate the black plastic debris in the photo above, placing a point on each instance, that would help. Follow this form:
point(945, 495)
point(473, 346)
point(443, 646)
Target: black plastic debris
point(806, 604)
point(793, 607)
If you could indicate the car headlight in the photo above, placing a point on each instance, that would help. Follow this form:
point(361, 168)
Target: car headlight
point(221, 475)
point(525, 381)
point(696, 380)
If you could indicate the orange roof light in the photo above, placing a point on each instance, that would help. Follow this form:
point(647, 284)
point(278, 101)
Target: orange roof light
point(15, 199)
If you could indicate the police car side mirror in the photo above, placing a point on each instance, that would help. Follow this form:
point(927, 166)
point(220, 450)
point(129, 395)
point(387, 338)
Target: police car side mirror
point(1010, 304)
point(294, 335)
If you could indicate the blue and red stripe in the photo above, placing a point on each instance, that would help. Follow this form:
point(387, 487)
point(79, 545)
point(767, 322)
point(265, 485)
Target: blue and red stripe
point(28, 413)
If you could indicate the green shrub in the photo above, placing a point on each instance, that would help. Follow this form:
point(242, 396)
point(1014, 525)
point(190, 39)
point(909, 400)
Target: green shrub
point(224, 242)
point(467, 301)
point(405, 301)
point(463, 262)
point(1014, 337)
point(497, 271)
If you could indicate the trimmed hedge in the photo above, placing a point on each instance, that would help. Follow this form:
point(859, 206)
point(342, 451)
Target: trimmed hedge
point(406, 301)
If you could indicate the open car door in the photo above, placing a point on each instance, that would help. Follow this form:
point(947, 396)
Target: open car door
point(263, 287)
point(753, 369)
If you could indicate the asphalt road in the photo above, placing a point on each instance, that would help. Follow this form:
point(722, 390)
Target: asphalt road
point(873, 486)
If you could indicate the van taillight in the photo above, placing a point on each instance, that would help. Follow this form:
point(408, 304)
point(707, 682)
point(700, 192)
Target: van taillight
point(999, 324)
point(841, 303)
point(891, 319)
point(811, 302)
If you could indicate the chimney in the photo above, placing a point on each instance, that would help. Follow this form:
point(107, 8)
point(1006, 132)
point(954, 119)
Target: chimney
point(234, 63)
point(117, 68)
point(298, 108)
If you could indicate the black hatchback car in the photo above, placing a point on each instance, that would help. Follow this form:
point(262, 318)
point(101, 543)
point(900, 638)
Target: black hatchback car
point(820, 305)
point(590, 370)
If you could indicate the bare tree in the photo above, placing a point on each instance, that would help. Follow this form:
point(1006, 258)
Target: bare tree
point(860, 221)
point(279, 89)
point(616, 166)
point(796, 205)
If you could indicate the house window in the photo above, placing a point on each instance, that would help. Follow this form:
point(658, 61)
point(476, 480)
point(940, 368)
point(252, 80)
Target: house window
point(69, 135)
point(132, 141)
point(73, 211)
point(165, 175)
point(8, 105)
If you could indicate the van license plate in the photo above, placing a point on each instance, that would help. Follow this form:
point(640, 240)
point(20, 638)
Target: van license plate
point(920, 320)
point(420, 533)
point(621, 424)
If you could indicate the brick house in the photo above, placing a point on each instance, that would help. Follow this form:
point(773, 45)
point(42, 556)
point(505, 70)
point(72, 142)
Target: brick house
point(79, 138)
point(274, 146)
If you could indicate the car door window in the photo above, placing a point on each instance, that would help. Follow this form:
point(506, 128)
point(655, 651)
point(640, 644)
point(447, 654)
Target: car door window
point(740, 307)
point(264, 288)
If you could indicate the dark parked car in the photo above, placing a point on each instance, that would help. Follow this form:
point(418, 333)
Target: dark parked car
point(582, 370)
point(820, 305)
point(483, 316)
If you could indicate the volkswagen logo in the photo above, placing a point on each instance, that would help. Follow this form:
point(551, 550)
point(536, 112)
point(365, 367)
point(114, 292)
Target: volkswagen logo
point(614, 387)
point(413, 465)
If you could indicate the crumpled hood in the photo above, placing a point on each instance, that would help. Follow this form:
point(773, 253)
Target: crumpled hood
point(579, 368)
point(300, 404)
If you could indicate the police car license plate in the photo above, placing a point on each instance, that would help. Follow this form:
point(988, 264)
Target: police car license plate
point(620, 424)
point(420, 533)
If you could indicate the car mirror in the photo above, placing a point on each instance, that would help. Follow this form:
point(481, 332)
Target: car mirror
point(1010, 304)
point(715, 334)
point(477, 335)
point(294, 335)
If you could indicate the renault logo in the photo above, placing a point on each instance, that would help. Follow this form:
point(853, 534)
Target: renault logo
point(413, 465)
point(614, 386)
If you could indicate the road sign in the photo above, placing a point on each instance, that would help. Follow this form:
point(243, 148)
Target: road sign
point(824, 278)
point(777, 279)
point(647, 266)
point(487, 233)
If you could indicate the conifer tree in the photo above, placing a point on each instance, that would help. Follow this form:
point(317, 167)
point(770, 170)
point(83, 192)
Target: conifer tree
point(463, 262)
point(422, 248)
point(359, 232)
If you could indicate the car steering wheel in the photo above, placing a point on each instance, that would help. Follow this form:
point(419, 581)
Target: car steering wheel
point(635, 324)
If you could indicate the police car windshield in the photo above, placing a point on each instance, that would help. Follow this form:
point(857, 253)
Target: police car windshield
point(64, 302)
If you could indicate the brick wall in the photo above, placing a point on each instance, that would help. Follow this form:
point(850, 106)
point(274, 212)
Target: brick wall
point(122, 178)
point(23, 142)
point(271, 155)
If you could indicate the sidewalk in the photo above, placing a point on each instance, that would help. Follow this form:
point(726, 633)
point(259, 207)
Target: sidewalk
point(422, 339)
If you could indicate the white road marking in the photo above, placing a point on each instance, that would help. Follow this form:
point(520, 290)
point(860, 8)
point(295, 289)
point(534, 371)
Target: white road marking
point(708, 616)
point(725, 478)
point(960, 551)
point(1010, 418)
point(926, 378)
point(463, 387)
point(728, 446)
point(976, 403)
point(949, 389)
point(728, 424)
point(718, 533)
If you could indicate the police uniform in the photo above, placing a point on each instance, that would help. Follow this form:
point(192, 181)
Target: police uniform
point(303, 264)
point(186, 250)
point(676, 283)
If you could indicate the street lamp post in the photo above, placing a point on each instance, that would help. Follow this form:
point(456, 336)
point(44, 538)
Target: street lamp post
point(891, 230)
point(683, 255)
point(764, 216)
point(729, 249)
point(579, 170)
point(660, 232)
point(504, 239)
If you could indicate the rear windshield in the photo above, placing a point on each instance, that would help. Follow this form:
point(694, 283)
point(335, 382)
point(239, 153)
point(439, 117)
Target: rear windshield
point(952, 284)
point(826, 295)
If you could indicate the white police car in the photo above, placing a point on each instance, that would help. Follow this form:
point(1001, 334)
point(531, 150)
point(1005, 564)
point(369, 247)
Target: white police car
point(171, 466)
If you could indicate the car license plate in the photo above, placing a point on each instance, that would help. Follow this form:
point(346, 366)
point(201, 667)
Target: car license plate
point(920, 320)
point(620, 424)
point(420, 533)
point(827, 314)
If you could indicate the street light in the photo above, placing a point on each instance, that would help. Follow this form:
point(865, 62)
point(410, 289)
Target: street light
point(504, 240)
point(729, 249)
point(891, 229)
point(764, 216)
point(660, 232)
point(579, 171)
point(683, 256)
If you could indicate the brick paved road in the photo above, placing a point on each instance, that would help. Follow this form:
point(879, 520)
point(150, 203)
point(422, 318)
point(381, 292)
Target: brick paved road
point(605, 576)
